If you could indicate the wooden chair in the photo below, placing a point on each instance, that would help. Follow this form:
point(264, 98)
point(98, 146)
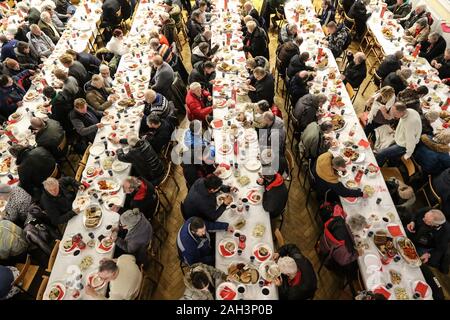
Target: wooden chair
point(291, 167)
point(432, 198)
point(42, 288)
point(53, 255)
point(352, 92)
point(79, 173)
point(279, 238)
point(86, 154)
point(55, 172)
point(160, 190)
point(279, 76)
point(26, 276)
point(339, 12)
point(374, 76)
point(64, 149)
point(351, 22)
point(409, 165)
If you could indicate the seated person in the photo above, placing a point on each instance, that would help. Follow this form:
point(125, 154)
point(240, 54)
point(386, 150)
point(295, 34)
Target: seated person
point(262, 87)
point(203, 73)
point(201, 200)
point(144, 159)
point(442, 64)
point(407, 134)
point(418, 32)
point(356, 69)
point(200, 53)
point(40, 42)
point(327, 177)
point(433, 153)
point(390, 63)
point(138, 237)
point(398, 80)
point(48, 134)
point(200, 281)
point(97, 95)
point(433, 47)
point(380, 105)
point(285, 53)
point(337, 38)
point(287, 33)
point(275, 196)
point(162, 75)
point(411, 97)
point(193, 240)
point(123, 277)
point(18, 203)
point(70, 84)
point(196, 100)
point(11, 95)
point(61, 104)
point(26, 58)
point(58, 197)
point(160, 132)
point(90, 62)
point(327, 13)
point(430, 233)
point(116, 44)
point(400, 9)
point(85, 119)
point(306, 108)
point(8, 275)
point(197, 163)
point(298, 63)
point(441, 185)
point(13, 243)
point(75, 69)
point(299, 85)
point(156, 103)
point(314, 141)
point(298, 281)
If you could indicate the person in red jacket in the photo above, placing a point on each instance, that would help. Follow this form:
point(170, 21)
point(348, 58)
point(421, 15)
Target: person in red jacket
point(196, 99)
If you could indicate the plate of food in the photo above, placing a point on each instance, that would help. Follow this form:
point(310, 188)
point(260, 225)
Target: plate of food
point(105, 245)
point(262, 252)
point(217, 123)
point(350, 154)
point(266, 156)
point(254, 196)
point(108, 119)
point(243, 273)
point(401, 293)
point(107, 163)
point(5, 165)
point(373, 170)
point(384, 244)
point(56, 291)
point(243, 180)
point(86, 263)
point(91, 172)
point(31, 95)
point(94, 280)
point(369, 190)
point(220, 103)
point(81, 202)
point(396, 277)
point(387, 33)
point(240, 223)
point(252, 165)
point(110, 201)
point(223, 172)
point(351, 184)
point(68, 245)
point(16, 116)
point(350, 200)
point(225, 148)
point(92, 217)
point(338, 122)
point(408, 251)
point(259, 230)
point(106, 185)
point(226, 291)
point(119, 166)
point(227, 247)
point(97, 149)
point(221, 198)
point(126, 103)
point(269, 270)
point(132, 66)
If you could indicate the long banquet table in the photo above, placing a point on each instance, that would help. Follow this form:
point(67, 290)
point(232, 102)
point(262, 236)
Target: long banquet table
point(375, 274)
point(225, 109)
point(133, 69)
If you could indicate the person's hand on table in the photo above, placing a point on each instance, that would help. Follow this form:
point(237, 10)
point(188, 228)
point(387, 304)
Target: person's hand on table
point(365, 195)
point(248, 81)
point(230, 229)
point(360, 251)
point(251, 88)
point(260, 181)
point(425, 257)
point(342, 77)
point(234, 189)
point(113, 97)
point(275, 256)
point(81, 187)
point(410, 226)
point(278, 281)
point(19, 103)
point(115, 208)
point(100, 125)
point(114, 236)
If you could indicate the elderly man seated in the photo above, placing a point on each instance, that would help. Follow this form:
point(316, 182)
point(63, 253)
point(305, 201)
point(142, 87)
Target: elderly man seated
point(163, 75)
point(196, 100)
point(40, 42)
point(430, 233)
point(47, 26)
point(287, 33)
point(262, 86)
point(49, 134)
point(85, 120)
point(105, 72)
point(356, 69)
point(433, 47)
point(97, 95)
point(442, 64)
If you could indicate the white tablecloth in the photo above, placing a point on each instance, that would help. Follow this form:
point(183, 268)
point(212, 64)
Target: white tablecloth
point(366, 207)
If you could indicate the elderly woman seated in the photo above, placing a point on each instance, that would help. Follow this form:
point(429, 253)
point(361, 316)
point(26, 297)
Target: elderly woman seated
point(97, 95)
point(418, 32)
point(18, 203)
point(137, 238)
point(430, 233)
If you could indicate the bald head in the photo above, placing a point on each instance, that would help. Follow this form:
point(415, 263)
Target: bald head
point(149, 96)
point(37, 123)
point(157, 60)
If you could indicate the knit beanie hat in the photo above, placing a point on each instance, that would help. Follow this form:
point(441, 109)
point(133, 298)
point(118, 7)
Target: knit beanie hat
point(130, 218)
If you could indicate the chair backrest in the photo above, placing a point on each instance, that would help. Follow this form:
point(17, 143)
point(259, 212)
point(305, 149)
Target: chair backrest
point(23, 271)
point(42, 288)
point(79, 172)
point(53, 254)
point(410, 167)
point(350, 20)
point(86, 154)
point(55, 172)
point(290, 162)
point(63, 143)
point(350, 90)
point(279, 236)
point(166, 175)
point(434, 194)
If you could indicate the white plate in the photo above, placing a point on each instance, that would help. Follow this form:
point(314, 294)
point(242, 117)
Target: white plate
point(100, 250)
point(262, 270)
point(257, 247)
point(119, 166)
point(61, 245)
point(254, 190)
point(85, 201)
point(230, 285)
point(223, 242)
point(62, 286)
point(97, 149)
point(225, 174)
point(84, 216)
point(372, 262)
point(361, 158)
point(220, 150)
point(252, 165)
point(19, 116)
point(115, 200)
point(115, 184)
point(375, 280)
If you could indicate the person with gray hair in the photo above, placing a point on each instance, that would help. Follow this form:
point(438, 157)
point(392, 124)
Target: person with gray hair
point(313, 141)
point(430, 233)
point(47, 27)
point(138, 237)
point(168, 28)
point(56, 18)
point(58, 197)
point(356, 69)
point(105, 72)
point(357, 223)
point(433, 47)
point(418, 32)
point(287, 33)
point(196, 101)
point(255, 41)
point(298, 281)
point(40, 42)
point(398, 79)
point(442, 64)
point(143, 158)
point(419, 12)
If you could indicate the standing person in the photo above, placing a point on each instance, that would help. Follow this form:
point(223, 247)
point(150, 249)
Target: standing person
point(358, 12)
point(327, 13)
point(76, 69)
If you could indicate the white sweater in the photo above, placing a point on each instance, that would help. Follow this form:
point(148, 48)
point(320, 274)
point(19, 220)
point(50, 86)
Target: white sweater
point(408, 131)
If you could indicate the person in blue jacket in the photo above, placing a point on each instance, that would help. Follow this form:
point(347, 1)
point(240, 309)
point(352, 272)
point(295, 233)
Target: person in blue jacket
point(193, 240)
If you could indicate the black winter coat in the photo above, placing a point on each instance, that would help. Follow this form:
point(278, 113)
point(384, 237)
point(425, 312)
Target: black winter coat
point(59, 208)
point(255, 43)
point(355, 74)
point(395, 82)
point(144, 160)
point(296, 65)
point(388, 65)
point(34, 166)
point(436, 50)
point(51, 137)
point(265, 89)
point(160, 137)
point(146, 205)
point(198, 75)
